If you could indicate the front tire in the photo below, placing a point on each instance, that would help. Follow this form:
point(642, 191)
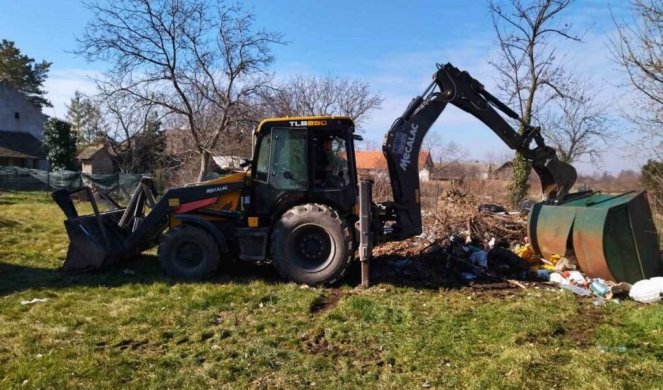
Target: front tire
point(312, 244)
point(189, 252)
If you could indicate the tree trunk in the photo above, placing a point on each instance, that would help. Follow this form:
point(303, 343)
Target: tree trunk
point(204, 162)
point(519, 185)
point(522, 168)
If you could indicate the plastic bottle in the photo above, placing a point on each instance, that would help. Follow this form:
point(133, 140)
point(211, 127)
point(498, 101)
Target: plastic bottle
point(599, 288)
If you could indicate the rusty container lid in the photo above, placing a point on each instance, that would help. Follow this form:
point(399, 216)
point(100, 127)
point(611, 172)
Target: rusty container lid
point(611, 236)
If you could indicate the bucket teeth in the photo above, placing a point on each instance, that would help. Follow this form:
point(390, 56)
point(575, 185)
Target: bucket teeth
point(557, 178)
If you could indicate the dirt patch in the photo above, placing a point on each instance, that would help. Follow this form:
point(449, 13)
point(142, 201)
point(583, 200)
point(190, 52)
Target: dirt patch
point(316, 342)
point(582, 328)
point(326, 301)
point(130, 344)
point(7, 223)
point(578, 331)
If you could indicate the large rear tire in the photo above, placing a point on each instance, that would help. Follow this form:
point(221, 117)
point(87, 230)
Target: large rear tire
point(312, 244)
point(189, 252)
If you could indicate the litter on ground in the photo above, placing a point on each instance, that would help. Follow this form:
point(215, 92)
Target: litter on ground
point(35, 300)
point(487, 248)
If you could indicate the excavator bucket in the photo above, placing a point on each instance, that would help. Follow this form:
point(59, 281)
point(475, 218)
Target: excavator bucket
point(611, 236)
point(557, 177)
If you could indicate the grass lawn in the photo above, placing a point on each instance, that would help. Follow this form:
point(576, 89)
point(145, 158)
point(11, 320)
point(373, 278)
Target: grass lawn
point(130, 328)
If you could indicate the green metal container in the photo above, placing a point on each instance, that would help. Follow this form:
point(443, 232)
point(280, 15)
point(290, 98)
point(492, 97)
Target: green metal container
point(612, 236)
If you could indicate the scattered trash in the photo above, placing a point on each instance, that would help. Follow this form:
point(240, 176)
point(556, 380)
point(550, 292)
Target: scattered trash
point(576, 277)
point(401, 264)
point(35, 300)
point(468, 276)
point(506, 261)
point(562, 264)
point(599, 287)
point(647, 291)
point(526, 252)
point(487, 247)
point(620, 288)
point(581, 291)
point(619, 349)
point(542, 274)
point(479, 258)
point(557, 278)
point(517, 284)
point(492, 208)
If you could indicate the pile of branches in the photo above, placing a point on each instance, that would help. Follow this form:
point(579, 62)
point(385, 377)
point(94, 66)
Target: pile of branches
point(458, 214)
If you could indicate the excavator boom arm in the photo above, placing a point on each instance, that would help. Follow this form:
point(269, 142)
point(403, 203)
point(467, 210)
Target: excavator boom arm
point(403, 141)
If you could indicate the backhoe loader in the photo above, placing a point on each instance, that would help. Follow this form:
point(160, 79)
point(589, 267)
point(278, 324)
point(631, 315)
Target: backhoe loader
point(300, 205)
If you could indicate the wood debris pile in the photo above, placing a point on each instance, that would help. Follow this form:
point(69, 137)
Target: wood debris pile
point(457, 214)
point(460, 215)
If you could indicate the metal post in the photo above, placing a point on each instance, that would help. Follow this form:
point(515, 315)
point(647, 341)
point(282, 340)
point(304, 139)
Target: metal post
point(365, 234)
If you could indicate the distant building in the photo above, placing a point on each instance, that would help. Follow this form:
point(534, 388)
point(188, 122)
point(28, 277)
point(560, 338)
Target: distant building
point(97, 160)
point(21, 130)
point(374, 163)
point(457, 172)
point(504, 172)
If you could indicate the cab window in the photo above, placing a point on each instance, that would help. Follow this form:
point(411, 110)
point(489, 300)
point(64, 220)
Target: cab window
point(331, 162)
point(288, 164)
point(262, 166)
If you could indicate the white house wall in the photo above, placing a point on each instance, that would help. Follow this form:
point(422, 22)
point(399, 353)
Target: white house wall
point(30, 119)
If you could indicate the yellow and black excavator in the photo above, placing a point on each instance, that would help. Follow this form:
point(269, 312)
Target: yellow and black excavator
point(300, 205)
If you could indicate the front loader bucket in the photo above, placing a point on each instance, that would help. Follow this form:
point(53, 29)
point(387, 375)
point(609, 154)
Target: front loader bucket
point(612, 236)
point(95, 241)
point(89, 247)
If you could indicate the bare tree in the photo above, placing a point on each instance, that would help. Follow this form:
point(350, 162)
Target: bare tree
point(324, 95)
point(182, 56)
point(638, 49)
point(577, 125)
point(498, 159)
point(530, 72)
point(442, 152)
point(132, 131)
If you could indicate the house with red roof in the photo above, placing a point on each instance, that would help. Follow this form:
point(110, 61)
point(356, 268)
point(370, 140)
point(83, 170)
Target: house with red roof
point(373, 162)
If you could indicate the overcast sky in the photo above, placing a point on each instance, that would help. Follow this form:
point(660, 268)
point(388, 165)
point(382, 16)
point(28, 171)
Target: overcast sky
point(393, 45)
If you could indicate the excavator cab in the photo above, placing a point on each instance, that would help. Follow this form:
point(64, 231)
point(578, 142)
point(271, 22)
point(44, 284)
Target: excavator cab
point(300, 160)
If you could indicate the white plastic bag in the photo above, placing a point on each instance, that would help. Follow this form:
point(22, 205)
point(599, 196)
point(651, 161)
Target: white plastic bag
point(558, 279)
point(647, 291)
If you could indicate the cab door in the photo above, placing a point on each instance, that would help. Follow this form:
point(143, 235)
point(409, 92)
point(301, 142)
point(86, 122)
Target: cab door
point(281, 169)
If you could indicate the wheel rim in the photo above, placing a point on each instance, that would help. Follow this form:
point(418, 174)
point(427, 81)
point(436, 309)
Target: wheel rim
point(189, 254)
point(311, 247)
